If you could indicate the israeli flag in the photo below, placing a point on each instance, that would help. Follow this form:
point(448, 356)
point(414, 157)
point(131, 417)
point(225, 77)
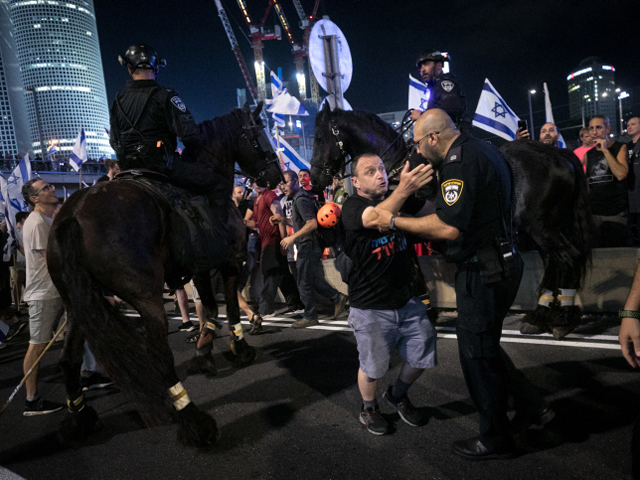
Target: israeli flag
point(283, 103)
point(277, 87)
point(13, 201)
point(52, 149)
point(494, 115)
point(289, 158)
point(549, 115)
point(418, 94)
point(79, 153)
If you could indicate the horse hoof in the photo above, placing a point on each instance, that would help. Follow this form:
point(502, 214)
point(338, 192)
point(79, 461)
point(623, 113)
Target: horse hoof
point(530, 329)
point(245, 356)
point(76, 427)
point(560, 332)
point(197, 429)
point(202, 364)
point(564, 320)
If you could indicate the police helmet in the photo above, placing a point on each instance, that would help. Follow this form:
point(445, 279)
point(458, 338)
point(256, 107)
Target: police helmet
point(431, 56)
point(141, 56)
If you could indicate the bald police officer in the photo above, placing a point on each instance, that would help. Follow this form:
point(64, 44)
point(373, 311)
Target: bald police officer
point(473, 213)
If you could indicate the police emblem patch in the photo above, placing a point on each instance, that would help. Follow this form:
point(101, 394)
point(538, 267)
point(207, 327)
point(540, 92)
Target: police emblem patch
point(179, 104)
point(451, 191)
point(447, 85)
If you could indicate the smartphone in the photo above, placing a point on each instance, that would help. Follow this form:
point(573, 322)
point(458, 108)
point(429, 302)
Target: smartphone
point(522, 125)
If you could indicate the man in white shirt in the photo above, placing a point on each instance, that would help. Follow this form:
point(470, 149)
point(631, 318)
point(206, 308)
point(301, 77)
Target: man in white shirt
point(40, 293)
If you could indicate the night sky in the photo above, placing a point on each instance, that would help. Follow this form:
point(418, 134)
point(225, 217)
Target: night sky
point(516, 44)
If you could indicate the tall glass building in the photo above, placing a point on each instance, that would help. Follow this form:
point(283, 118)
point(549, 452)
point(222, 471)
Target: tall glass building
point(61, 69)
point(15, 137)
point(592, 91)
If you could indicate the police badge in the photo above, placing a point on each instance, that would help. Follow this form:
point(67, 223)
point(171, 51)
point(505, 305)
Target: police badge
point(179, 104)
point(451, 191)
point(447, 85)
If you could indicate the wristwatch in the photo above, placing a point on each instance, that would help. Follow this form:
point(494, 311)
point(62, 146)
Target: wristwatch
point(392, 223)
point(629, 314)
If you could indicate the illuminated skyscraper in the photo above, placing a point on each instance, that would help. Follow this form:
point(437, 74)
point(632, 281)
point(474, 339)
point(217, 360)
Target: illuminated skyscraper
point(592, 91)
point(61, 70)
point(15, 138)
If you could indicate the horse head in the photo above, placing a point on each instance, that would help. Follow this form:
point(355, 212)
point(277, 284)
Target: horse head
point(341, 134)
point(240, 137)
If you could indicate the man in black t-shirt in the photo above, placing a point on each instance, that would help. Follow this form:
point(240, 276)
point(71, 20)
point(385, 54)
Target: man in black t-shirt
point(607, 169)
point(473, 209)
point(384, 314)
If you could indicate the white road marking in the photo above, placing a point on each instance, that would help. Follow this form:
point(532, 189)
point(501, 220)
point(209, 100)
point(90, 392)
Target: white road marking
point(607, 342)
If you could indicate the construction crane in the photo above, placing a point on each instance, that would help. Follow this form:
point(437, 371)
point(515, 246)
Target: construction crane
point(236, 50)
point(258, 35)
point(306, 24)
point(298, 50)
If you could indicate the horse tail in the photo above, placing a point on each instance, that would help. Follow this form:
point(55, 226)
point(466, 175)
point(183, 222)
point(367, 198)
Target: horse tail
point(583, 223)
point(117, 341)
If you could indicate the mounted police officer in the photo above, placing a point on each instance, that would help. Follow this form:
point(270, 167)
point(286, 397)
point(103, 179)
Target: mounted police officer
point(445, 92)
point(146, 118)
point(473, 213)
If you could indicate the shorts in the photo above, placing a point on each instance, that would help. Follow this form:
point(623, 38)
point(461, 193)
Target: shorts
point(379, 332)
point(42, 316)
point(194, 292)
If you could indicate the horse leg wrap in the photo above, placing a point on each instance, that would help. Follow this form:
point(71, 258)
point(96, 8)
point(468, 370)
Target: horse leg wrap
point(237, 331)
point(211, 328)
point(77, 405)
point(179, 396)
point(546, 299)
point(567, 297)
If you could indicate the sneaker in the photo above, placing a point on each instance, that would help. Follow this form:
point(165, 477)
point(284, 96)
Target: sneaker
point(15, 329)
point(40, 406)
point(341, 306)
point(187, 327)
point(94, 382)
point(304, 323)
point(374, 421)
point(297, 310)
point(408, 413)
point(268, 315)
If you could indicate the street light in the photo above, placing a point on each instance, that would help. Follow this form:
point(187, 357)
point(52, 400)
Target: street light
point(622, 96)
point(530, 92)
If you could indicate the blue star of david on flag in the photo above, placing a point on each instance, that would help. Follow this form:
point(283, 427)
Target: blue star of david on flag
point(499, 111)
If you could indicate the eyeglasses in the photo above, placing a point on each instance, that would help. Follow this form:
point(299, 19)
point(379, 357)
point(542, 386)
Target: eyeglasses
point(418, 142)
point(46, 188)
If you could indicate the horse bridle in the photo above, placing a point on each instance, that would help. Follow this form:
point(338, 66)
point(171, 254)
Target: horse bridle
point(345, 158)
point(259, 140)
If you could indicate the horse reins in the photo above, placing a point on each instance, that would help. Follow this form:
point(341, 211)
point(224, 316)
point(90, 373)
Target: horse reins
point(345, 158)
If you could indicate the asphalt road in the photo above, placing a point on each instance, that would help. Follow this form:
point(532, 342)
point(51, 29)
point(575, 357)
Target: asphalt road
point(294, 414)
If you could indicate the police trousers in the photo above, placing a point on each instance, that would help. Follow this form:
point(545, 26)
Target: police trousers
point(488, 371)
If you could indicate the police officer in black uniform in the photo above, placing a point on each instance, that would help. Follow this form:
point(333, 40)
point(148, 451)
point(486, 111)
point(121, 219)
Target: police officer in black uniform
point(473, 213)
point(146, 118)
point(445, 91)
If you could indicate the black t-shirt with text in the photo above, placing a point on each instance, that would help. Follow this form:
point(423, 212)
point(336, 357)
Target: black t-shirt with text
point(607, 195)
point(381, 275)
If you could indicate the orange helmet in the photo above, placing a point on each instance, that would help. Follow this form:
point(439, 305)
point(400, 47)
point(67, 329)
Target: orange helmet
point(328, 215)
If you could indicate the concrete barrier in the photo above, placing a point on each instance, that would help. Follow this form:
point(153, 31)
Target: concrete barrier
point(605, 288)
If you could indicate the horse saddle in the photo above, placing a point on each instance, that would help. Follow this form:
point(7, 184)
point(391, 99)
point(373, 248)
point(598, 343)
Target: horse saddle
point(198, 238)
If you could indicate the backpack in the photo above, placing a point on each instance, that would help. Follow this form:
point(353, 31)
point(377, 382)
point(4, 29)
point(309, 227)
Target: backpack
point(326, 237)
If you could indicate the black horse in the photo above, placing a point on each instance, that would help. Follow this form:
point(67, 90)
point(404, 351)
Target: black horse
point(113, 237)
point(552, 205)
